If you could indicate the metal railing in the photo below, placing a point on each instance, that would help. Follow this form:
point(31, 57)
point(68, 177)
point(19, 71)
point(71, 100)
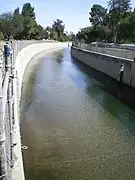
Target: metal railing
point(124, 53)
point(6, 115)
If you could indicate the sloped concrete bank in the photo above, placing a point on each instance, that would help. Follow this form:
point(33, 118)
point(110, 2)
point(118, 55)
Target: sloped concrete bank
point(107, 64)
point(21, 62)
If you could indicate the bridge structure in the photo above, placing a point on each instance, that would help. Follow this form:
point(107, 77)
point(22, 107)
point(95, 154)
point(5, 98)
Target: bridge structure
point(13, 62)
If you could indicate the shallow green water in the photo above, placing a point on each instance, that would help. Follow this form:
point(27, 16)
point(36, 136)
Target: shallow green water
point(75, 129)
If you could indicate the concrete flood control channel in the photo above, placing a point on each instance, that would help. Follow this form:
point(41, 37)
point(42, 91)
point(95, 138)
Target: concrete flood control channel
point(73, 124)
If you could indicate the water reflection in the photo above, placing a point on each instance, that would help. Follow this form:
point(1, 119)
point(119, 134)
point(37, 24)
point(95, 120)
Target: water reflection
point(73, 126)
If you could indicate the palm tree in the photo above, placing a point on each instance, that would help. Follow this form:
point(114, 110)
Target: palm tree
point(58, 26)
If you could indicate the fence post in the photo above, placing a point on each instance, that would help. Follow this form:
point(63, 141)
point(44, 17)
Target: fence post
point(3, 161)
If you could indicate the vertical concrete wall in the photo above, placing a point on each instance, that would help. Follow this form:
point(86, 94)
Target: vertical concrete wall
point(107, 64)
point(133, 74)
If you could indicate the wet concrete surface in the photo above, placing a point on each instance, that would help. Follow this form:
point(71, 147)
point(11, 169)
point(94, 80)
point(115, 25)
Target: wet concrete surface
point(77, 123)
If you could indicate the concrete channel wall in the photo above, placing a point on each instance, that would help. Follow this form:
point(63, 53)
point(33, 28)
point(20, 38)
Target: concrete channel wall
point(107, 64)
point(26, 54)
point(19, 45)
point(21, 62)
point(111, 50)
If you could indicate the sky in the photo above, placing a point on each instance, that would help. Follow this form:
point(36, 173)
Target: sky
point(74, 13)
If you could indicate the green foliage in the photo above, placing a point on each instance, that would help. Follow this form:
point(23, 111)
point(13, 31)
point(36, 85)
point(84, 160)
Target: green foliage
point(30, 25)
point(126, 29)
point(56, 32)
point(119, 6)
point(45, 34)
point(58, 27)
point(42, 33)
point(28, 11)
point(115, 24)
point(117, 11)
point(24, 26)
point(71, 36)
point(18, 24)
point(6, 24)
point(90, 34)
point(97, 15)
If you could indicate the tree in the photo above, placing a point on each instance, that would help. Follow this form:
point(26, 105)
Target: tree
point(84, 35)
point(48, 28)
point(6, 24)
point(120, 6)
point(66, 32)
point(117, 24)
point(71, 36)
point(41, 33)
point(29, 21)
point(24, 26)
point(80, 36)
point(90, 34)
point(46, 34)
point(28, 11)
point(126, 29)
point(18, 24)
point(117, 10)
point(59, 28)
point(98, 15)
point(51, 33)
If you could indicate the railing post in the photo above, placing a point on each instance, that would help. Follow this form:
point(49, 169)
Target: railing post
point(3, 162)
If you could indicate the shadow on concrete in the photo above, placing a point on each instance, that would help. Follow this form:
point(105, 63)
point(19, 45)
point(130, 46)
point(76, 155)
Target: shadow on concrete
point(122, 92)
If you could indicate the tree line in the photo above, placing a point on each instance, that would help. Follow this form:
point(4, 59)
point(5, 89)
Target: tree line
point(23, 26)
point(113, 24)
